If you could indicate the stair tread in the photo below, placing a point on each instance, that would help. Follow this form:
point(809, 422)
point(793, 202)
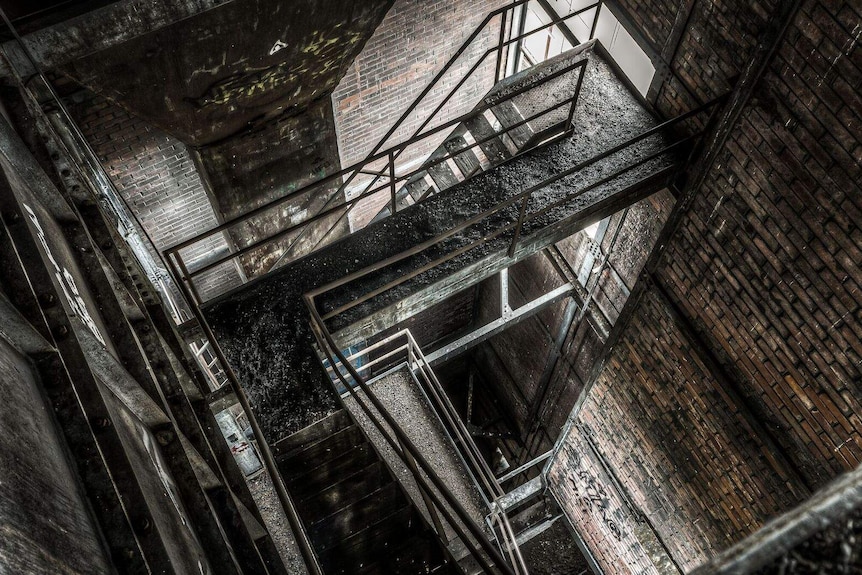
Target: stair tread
point(509, 115)
point(371, 545)
point(420, 554)
point(443, 176)
point(351, 519)
point(466, 160)
point(494, 149)
point(327, 448)
point(313, 433)
point(295, 472)
point(328, 500)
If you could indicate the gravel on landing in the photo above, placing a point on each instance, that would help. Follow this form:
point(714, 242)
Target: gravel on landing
point(263, 493)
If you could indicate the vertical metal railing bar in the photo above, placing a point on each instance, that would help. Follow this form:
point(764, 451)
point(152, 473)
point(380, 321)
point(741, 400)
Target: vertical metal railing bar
point(497, 71)
point(290, 512)
point(514, 549)
point(596, 19)
point(400, 444)
point(571, 120)
point(392, 182)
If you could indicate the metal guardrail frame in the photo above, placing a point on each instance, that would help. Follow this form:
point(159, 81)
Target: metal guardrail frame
point(437, 496)
point(390, 155)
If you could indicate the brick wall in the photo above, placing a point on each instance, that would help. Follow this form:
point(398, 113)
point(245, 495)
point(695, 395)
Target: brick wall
point(775, 234)
point(679, 442)
point(413, 43)
point(764, 271)
point(614, 531)
point(158, 179)
point(715, 44)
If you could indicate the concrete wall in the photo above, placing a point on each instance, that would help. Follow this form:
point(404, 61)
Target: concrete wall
point(47, 527)
point(734, 391)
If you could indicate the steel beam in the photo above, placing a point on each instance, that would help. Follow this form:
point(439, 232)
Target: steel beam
point(73, 389)
point(488, 331)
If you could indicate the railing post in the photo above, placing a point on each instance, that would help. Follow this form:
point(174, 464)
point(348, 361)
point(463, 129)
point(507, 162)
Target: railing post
point(394, 207)
point(595, 20)
point(500, 46)
point(570, 126)
point(521, 214)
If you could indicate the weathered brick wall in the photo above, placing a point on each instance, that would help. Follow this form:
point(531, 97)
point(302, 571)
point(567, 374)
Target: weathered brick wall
point(655, 18)
point(674, 436)
point(412, 44)
point(764, 267)
point(158, 179)
point(617, 536)
point(715, 44)
point(767, 260)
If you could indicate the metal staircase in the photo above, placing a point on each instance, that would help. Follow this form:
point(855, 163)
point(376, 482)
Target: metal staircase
point(358, 518)
point(353, 515)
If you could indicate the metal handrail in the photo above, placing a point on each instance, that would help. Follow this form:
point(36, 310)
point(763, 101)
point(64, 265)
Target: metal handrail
point(436, 494)
point(522, 199)
point(390, 154)
point(409, 354)
point(394, 152)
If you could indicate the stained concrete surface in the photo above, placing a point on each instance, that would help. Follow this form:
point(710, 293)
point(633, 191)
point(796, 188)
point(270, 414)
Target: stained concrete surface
point(187, 79)
point(836, 549)
point(401, 395)
point(263, 493)
point(554, 552)
point(263, 327)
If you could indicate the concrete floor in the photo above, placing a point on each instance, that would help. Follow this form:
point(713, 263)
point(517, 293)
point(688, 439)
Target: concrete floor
point(263, 493)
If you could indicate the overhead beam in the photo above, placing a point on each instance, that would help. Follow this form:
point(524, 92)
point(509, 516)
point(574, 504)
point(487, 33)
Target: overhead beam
point(508, 319)
point(594, 206)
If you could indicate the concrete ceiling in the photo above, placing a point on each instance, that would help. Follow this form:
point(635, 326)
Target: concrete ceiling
point(204, 71)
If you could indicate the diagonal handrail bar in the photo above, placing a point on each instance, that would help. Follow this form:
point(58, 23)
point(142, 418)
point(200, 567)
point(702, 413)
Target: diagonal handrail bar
point(525, 194)
point(392, 154)
point(367, 193)
point(380, 155)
